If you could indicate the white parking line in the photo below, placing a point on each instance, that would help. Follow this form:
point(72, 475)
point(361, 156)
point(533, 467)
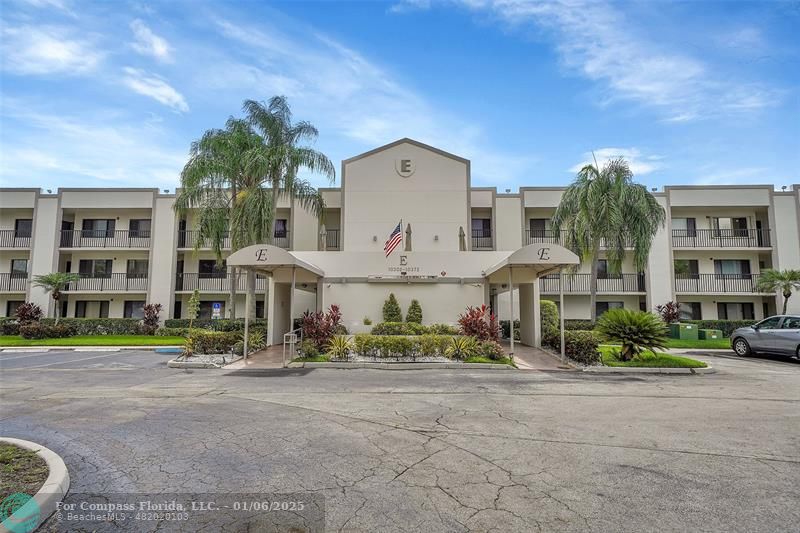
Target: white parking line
point(74, 360)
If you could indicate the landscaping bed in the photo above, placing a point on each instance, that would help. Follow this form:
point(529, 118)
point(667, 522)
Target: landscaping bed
point(648, 359)
point(21, 470)
point(92, 340)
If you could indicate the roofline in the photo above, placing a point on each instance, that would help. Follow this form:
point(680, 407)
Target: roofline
point(406, 140)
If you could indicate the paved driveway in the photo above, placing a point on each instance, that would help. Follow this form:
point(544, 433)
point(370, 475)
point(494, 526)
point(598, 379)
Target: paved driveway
point(425, 450)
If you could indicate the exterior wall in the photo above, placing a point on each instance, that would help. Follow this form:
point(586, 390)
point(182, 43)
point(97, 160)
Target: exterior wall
point(508, 232)
point(44, 251)
point(163, 255)
point(786, 236)
point(659, 280)
point(577, 306)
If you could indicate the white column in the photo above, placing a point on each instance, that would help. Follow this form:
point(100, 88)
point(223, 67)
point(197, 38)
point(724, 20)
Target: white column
point(511, 309)
point(248, 300)
point(561, 312)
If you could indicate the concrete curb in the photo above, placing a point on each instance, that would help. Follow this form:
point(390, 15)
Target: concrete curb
point(56, 485)
point(405, 366)
point(23, 349)
point(646, 370)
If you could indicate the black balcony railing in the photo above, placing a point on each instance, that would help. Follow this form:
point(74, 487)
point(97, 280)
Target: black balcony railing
point(11, 238)
point(721, 238)
point(214, 282)
point(715, 283)
point(481, 238)
point(580, 283)
point(189, 239)
point(547, 236)
point(332, 239)
point(89, 238)
point(109, 282)
point(281, 239)
point(13, 282)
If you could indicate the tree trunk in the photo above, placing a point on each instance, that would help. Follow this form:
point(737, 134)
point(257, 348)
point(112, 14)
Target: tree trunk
point(785, 302)
point(234, 284)
point(55, 305)
point(593, 282)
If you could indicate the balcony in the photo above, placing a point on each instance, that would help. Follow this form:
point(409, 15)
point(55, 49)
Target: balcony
point(331, 239)
point(11, 238)
point(721, 238)
point(13, 282)
point(482, 239)
point(84, 238)
point(717, 283)
point(188, 282)
point(189, 239)
point(548, 236)
point(120, 282)
point(580, 284)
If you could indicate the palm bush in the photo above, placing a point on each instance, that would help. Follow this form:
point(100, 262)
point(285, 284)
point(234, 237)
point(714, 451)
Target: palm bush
point(636, 331)
point(339, 347)
point(784, 281)
point(462, 348)
point(55, 283)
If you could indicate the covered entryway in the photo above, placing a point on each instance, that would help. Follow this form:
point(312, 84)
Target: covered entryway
point(286, 274)
point(521, 271)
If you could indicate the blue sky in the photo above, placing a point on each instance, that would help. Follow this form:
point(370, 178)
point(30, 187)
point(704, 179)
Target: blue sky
point(112, 93)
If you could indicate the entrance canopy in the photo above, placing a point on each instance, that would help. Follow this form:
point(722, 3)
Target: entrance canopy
point(531, 262)
point(276, 261)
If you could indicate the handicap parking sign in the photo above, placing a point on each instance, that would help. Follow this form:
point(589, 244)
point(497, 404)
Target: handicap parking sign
point(216, 310)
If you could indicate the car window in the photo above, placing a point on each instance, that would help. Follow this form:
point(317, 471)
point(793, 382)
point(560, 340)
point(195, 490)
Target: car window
point(791, 322)
point(770, 323)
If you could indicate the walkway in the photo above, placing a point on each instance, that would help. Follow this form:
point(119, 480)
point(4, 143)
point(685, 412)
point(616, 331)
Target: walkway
point(270, 357)
point(530, 358)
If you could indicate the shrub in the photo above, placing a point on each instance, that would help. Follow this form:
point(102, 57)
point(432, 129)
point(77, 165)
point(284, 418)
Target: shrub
point(339, 347)
point(367, 321)
point(9, 326)
point(366, 344)
point(213, 342)
point(308, 348)
point(38, 330)
point(670, 312)
point(391, 310)
point(414, 313)
point(150, 320)
point(462, 347)
point(431, 345)
point(220, 324)
point(578, 325)
point(505, 326)
point(399, 328)
point(580, 346)
point(100, 326)
point(490, 350)
point(480, 323)
point(636, 331)
point(726, 326)
point(172, 332)
point(442, 329)
point(319, 327)
point(28, 312)
point(549, 315)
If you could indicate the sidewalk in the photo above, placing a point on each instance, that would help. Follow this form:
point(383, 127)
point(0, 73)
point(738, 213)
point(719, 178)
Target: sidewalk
point(530, 358)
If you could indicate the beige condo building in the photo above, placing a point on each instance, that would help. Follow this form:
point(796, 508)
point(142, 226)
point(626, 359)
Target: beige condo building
point(129, 247)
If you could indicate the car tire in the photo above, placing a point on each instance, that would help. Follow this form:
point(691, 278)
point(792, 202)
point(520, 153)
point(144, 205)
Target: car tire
point(797, 353)
point(741, 347)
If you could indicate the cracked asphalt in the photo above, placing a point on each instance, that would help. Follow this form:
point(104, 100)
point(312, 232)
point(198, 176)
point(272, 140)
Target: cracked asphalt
point(423, 450)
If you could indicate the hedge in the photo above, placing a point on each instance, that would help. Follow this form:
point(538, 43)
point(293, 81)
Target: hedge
point(9, 326)
point(39, 330)
point(213, 342)
point(549, 315)
point(82, 326)
point(726, 326)
point(412, 328)
point(574, 324)
point(400, 346)
point(580, 346)
point(221, 324)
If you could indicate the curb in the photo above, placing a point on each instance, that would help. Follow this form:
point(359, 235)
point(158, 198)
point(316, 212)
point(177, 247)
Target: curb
point(648, 370)
point(38, 349)
point(55, 486)
point(405, 366)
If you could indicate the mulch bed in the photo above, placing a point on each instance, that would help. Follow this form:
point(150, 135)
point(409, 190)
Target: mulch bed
point(21, 470)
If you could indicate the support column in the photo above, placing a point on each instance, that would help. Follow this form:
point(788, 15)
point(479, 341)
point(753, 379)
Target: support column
point(527, 314)
point(271, 311)
point(511, 310)
point(248, 302)
point(561, 312)
point(537, 313)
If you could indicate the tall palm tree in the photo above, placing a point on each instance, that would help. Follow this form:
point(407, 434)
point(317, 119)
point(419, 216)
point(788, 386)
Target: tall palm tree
point(55, 283)
point(784, 281)
point(606, 208)
point(236, 177)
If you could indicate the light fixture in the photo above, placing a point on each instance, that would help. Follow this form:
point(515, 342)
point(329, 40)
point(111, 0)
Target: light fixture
point(435, 237)
point(374, 238)
point(166, 190)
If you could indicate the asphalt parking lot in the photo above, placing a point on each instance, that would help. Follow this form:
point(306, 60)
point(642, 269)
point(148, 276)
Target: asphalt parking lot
point(424, 450)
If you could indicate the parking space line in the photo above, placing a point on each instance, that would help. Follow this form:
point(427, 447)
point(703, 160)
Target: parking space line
point(75, 360)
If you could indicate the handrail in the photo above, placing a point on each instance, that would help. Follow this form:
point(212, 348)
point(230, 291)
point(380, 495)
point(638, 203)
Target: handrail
point(215, 282)
point(119, 281)
point(13, 282)
point(11, 238)
point(580, 283)
point(291, 339)
point(713, 283)
point(721, 238)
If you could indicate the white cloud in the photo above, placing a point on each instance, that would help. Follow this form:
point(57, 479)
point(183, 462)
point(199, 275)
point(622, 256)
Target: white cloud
point(42, 50)
point(742, 175)
point(156, 88)
point(639, 163)
point(148, 43)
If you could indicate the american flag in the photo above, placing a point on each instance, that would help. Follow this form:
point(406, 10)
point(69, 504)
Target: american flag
point(394, 239)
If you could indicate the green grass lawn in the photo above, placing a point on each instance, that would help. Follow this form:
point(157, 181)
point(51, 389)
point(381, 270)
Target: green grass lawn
point(312, 359)
point(649, 359)
point(709, 343)
point(478, 359)
point(93, 340)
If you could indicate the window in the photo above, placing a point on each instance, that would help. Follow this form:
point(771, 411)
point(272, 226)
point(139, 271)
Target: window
point(23, 228)
point(281, 228)
point(98, 227)
point(176, 313)
point(691, 311)
point(91, 309)
point(791, 322)
point(684, 227)
point(729, 226)
point(19, 268)
point(602, 307)
point(139, 228)
point(208, 268)
point(686, 268)
point(134, 309)
point(732, 267)
point(260, 309)
point(95, 268)
point(537, 226)
point(11, 307)
point(602, 270)
point(481, 227)
point(735, 311)
point(137, 268)
point(770, 323)
point(207, 310)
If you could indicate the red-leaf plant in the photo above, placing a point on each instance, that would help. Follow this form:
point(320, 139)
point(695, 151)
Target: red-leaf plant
point(480, 323)
point(319, 327)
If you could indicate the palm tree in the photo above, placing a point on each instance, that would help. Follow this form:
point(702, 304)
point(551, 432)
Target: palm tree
point(780, 280)
point(606, 208)
point(55, 283)
point(236, 177)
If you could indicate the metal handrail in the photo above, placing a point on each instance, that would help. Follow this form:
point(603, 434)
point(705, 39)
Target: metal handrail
point(89, 238)
point(11, 238)
point(290, 338)
point(721, 238)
